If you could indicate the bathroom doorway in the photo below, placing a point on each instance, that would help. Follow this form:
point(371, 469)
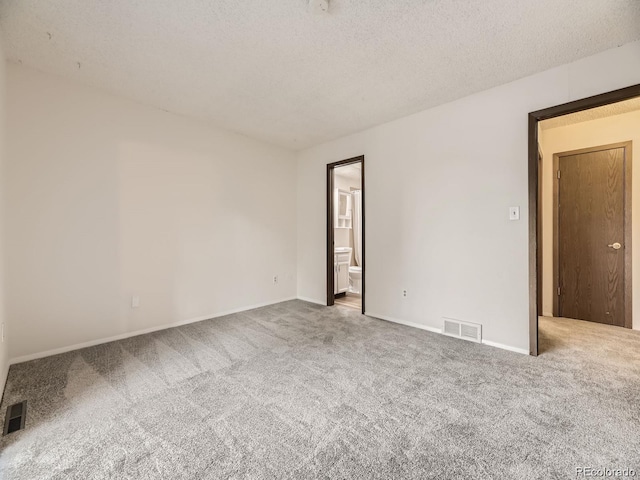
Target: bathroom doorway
point(345, 233)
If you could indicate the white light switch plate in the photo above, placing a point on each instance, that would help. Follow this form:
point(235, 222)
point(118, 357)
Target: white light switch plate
point(514, 213)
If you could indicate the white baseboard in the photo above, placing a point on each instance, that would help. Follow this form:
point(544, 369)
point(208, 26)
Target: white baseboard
point(3, 380)
point(489, 343)
point(439, 330)
point(122, 336)
point(312, 300)
point(404, 322)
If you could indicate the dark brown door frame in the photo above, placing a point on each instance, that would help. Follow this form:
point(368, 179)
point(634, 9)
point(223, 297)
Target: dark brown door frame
point(539, 233)
point(628, 289)
point(534, 248)
point(329, 227)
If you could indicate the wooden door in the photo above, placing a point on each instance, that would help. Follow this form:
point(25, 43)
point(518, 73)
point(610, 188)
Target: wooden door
point(594, 234)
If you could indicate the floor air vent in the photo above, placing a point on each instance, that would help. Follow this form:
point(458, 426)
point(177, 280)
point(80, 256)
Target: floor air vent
point(16, 415)
point(464, 330)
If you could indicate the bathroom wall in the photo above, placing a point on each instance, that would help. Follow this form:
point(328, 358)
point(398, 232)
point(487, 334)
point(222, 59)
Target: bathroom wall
point(109, 199)
point(343, 237)
point(613, 129)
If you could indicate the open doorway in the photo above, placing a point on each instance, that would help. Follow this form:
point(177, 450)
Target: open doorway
point(345, 233)
point(580, 212)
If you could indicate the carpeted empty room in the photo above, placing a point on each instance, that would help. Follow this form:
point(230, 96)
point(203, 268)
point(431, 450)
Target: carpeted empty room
point(297, 390)
point(319, 239)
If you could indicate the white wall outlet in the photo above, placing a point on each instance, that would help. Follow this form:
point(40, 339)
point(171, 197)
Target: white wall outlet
point(514, 213)
point(135, 301)
point(404, 293)
point(2, 332)
point(275, 279)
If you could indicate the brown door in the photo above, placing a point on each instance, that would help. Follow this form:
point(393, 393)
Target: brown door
point(591, 240)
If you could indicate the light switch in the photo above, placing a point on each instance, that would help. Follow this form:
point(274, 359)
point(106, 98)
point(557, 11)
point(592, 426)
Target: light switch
point(514, 213)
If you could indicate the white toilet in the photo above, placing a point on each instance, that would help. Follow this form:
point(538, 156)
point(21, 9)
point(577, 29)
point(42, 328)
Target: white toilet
point(355, 279)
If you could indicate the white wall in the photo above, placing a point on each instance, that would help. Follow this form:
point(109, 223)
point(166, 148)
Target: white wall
point(614, 129)
point(4, 345)
point(343, 237)
point(438, 187)
point(108, 198)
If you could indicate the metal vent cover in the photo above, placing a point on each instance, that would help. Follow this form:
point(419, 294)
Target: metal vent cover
point(451, 328)
point(15, 418)
point(465, 330)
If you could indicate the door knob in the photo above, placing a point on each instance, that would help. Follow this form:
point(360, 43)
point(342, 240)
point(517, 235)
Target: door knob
point(615, 246)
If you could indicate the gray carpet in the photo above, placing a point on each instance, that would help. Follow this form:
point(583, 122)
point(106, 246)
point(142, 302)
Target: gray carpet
point(297, 390)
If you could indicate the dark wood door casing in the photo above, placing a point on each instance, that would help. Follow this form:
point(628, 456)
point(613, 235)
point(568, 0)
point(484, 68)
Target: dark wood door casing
point(330, 231)
point(539, 233)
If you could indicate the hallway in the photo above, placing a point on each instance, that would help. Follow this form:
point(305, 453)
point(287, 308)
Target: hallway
point(616, 347)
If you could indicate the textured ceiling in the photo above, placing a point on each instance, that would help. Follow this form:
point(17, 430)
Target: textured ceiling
point(618, 108)
point(274, 71)
point(351, 172)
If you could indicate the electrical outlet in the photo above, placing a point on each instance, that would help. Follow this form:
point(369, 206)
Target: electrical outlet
point(135, 301)
point(404, 293)
point(275, 279)
point(2, 332)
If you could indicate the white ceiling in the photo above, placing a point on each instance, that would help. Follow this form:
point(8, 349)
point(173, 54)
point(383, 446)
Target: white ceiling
point(274, 71)
point(350, 172)
point(617, 108)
